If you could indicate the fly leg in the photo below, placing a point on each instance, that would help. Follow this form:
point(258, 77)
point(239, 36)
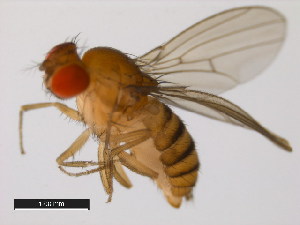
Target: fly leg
point(132, 139)
point(77, 144)
point(73, 114)
point(110, 168)
point(106, 174)
point(87, 172)
point(71, 151)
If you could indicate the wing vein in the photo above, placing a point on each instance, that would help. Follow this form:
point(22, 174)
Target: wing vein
point(197, 34)
point(269, 42)
point(231, 33)
point(194, 70)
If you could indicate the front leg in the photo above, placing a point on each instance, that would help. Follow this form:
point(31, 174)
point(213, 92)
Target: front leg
point(71, 113)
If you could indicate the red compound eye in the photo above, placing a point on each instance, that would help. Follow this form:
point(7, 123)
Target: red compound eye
point(69, 81)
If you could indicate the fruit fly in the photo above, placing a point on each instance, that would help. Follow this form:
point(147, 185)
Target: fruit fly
point(123, 101)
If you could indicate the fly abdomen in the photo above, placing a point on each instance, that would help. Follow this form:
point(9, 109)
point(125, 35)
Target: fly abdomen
point(178, 156)
point(181, 164)
point(174, 157)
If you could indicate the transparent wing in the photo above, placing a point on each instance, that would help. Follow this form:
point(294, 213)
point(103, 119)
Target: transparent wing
point(220, 52)
point(217, 108)
point(215, 55)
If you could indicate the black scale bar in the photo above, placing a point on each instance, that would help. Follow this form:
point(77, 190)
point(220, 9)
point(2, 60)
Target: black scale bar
point(51, 204)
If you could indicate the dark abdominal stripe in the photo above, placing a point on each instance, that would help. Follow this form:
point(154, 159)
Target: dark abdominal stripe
point(178, 151)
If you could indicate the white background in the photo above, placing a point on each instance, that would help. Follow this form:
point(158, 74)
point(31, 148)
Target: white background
point(244, 179)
